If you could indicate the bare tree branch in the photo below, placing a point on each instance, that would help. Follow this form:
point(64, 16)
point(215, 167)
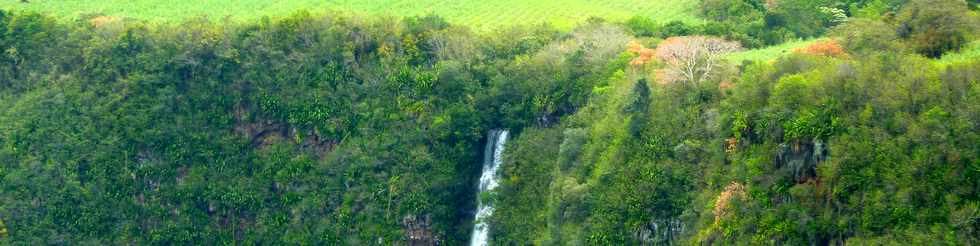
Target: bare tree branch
point(692, 58)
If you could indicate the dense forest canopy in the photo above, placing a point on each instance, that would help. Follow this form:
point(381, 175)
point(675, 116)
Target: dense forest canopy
point(344, 129)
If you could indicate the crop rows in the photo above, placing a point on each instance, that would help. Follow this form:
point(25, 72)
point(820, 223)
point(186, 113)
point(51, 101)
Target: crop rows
point(476, 13)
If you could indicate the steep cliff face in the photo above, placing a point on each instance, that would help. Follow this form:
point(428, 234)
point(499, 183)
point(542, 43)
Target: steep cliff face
point(800, 159)
point(418, 230)
point(661, 231)
point(264, 132)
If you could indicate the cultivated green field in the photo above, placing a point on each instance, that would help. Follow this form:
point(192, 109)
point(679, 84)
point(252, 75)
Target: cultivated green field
point(480, 14)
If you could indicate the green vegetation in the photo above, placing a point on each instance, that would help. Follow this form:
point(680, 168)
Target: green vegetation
point(771, 52)
point(330, 130)
point(855, 122)
point(970, 52)
point(474, 13)
point(807, 149)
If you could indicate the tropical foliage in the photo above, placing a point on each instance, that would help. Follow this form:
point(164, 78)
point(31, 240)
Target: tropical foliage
point(342, 129)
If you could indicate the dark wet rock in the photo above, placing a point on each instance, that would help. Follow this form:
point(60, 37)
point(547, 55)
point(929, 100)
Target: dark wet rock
point(800, 158)
point(418, 230)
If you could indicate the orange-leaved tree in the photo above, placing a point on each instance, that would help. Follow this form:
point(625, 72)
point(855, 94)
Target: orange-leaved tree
point(829, 48)
point(644, 54)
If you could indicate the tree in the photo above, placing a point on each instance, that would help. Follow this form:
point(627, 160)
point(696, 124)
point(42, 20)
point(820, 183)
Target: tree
point(639, 107)
point(643, 54)
point(676, 28)
point(935, 26)
point(802, 17)
point(642, 26)
point(722, 10)
point(3, 229)
point(830, 48)
point(863, 36)
point(692, 58)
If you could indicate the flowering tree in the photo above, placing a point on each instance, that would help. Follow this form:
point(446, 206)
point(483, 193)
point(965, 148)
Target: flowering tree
point(733, 191)
point(692, 58)
point(824, 48)
point(643, 54)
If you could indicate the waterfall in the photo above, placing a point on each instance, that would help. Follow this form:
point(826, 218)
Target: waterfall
point(488, 181)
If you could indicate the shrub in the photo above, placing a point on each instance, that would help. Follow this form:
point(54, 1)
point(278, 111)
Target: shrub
point(934, 27)
point(829, 48)
point(642, 26)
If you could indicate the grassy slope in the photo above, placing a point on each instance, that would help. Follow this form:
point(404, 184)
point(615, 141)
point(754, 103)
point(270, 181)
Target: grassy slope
point(769, 53)
point(476, 13)
point(970, 52)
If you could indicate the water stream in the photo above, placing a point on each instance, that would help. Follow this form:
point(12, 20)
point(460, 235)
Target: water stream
point(488, 181)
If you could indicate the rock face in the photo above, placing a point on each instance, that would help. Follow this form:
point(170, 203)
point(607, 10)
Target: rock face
point(418, 231)
point(263, 133)
point(661, 231)
point(801, 158)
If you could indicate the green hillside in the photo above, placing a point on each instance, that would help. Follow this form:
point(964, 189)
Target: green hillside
point(769, 53)
point(479, 14)
point(712, 122)
point(970, 52)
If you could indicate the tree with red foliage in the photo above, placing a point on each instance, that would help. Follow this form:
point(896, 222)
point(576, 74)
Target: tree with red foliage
point(829, 48)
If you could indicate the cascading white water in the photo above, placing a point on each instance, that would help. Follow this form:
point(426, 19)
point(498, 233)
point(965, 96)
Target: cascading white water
point(488, 181)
